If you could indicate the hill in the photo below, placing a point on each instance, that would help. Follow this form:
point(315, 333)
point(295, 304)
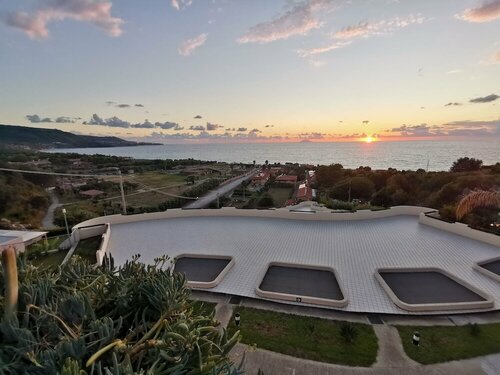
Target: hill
point(15, 136)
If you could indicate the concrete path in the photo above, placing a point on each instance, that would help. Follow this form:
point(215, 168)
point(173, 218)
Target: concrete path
point(48, 220)
point(220, 191)
point(390, 349)
point(223, 313)
point(279, 364)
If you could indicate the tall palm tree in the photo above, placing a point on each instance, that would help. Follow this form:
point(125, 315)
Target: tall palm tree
point(477, 198)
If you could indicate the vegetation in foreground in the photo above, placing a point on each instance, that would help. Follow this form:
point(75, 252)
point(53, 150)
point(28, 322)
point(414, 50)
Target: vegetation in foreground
point(83, 319)
point(443, 344)
point(351, 344)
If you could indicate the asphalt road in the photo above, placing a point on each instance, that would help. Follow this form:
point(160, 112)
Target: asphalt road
point(221, 190)
point(48, 220)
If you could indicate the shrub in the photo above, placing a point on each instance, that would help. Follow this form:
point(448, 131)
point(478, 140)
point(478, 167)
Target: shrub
point(83, 319)
point(474, 329)
point(466, 165)
point(348, 332)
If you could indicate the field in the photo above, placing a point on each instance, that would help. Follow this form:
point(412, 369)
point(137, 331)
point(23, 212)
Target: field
point(306, 337)
point(280, 195)
point(442, 344)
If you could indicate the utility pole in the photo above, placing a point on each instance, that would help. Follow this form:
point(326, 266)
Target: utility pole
point(217, 200)
point(124, 205)
point(349, 191)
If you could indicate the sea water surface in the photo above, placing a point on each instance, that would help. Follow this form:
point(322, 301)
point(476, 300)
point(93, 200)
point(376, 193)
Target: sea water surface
point(408, 155)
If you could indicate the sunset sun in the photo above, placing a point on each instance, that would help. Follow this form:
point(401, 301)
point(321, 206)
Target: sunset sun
point(368, 139)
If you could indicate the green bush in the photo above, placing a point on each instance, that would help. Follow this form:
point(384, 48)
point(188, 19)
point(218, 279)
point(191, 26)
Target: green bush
point(348, 332)
point(83, 319)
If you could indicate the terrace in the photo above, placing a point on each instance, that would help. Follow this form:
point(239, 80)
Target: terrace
point(355, 245)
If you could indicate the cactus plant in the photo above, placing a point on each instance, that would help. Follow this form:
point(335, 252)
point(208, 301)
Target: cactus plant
point(83, 319)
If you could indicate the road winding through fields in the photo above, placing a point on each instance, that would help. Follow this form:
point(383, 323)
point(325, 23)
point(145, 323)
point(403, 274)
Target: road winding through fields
point(220, 191)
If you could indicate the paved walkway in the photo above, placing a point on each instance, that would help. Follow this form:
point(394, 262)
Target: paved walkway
point(220, 191)
point(279, 364)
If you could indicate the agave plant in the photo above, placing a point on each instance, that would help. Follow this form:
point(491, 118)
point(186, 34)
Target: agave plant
point(83, 319)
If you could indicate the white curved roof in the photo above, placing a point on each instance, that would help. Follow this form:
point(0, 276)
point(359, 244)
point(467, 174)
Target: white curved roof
point(355, 249)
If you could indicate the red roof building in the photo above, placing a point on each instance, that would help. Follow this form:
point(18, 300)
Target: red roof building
point(286, 179)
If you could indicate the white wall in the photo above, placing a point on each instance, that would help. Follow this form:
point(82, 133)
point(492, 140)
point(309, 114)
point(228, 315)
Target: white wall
point(281, 213)
point(460, 229)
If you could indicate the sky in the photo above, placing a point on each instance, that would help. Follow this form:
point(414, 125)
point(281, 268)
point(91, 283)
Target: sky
point(175, 71)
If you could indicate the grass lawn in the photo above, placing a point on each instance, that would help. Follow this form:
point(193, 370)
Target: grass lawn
point(88, 247)
point(442, 344)
point(280, 195)
point(156, 179)
point(52, 243)
point(52, 260)
point(306, 337)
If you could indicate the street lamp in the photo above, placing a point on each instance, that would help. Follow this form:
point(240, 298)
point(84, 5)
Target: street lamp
point(65, 220)
point(237, 319)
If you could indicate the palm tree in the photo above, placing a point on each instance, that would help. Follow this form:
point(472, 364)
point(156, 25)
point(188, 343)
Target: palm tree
point(477, 198)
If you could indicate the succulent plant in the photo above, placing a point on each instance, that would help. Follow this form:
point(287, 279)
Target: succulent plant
point(86, 319)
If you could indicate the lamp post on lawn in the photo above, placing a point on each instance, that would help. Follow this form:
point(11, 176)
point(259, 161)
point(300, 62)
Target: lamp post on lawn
point(237, 319)
point(65, 221)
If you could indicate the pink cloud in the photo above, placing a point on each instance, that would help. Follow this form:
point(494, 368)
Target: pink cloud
point(188, 46)
point(487, 12)
point(95, 12)
point(298, 20)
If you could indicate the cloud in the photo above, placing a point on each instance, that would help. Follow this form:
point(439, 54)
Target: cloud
point(113, 122)
point(365, 122)
point(211, 127)
point(452, 104)
point(64, 120)
point(422, 130)
point(298, 20)
point(456, 128)
point(241, 130)
point(255, 131)
point(365, 29)
point(197, 127)
point(198, 117)
point(139, 105)
point(178, 4)
point(35, 119)
point(485, 99)
point(166, 125)
point(145, 125)
point(123, 106)
point(110, 102)
point(488, 11)
point(319, 50)
point(269, 126)
point(95, 12)
point(454, 71)
point(187, 47)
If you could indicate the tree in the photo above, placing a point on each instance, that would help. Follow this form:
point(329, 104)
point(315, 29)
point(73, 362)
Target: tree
point(466, 165)
point(82, 319)
point(266, 201)
point(475, 199)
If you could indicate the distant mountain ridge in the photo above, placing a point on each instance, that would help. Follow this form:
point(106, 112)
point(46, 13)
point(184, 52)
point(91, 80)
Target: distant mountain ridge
point(14, 135)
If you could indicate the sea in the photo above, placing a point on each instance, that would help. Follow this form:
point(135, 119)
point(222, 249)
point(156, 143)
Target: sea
point(403, 155)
